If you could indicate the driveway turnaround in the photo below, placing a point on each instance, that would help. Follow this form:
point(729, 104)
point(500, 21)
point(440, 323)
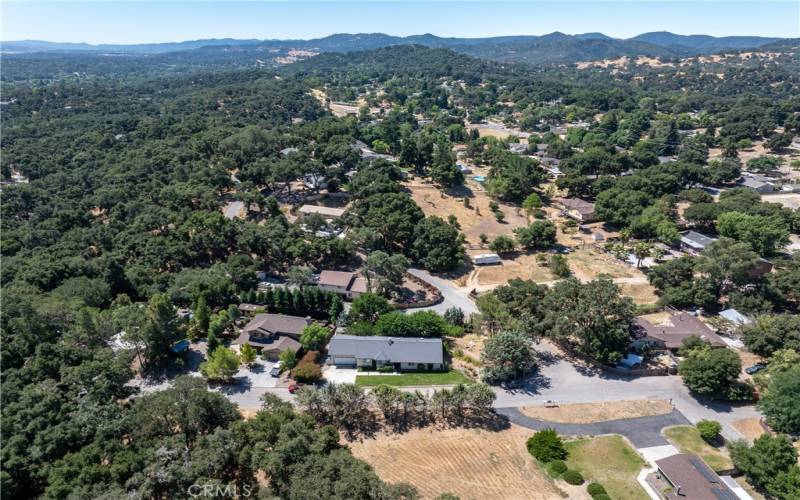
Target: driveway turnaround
point(452, 296)
point(643, 432)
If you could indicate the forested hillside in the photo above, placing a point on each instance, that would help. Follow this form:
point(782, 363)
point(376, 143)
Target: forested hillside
point(132, 161)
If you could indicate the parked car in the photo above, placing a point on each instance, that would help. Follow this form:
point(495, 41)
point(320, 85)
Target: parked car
point(276, 369)
point(750, 370)
point(295, 387)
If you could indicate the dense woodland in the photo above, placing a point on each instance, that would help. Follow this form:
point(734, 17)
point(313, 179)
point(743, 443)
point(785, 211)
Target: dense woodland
point(121, 223)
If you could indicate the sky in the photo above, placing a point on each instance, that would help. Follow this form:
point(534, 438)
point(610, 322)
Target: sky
point(116, 21)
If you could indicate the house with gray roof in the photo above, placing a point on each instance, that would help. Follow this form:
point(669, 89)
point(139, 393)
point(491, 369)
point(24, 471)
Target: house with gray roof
point(405, 353)
point(757, 185)
point(694, 242)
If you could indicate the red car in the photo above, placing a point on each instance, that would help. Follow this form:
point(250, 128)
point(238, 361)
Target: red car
point(295, 387)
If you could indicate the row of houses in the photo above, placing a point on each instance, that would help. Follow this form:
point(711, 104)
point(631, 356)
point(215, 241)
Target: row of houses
point(272, 334)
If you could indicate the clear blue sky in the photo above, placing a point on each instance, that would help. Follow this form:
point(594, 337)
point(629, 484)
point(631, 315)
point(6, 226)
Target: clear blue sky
point(150, 21)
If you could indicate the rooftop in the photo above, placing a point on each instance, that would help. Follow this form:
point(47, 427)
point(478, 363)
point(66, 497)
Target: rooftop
point(392, 349)
point(319, 209)
point(696, 240)
point(678, 327)
point(693, 479)
point(270, 324)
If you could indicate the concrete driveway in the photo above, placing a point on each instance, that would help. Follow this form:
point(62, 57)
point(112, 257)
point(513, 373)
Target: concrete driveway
point(336, 375)
point(258, 375)
point(453, 296)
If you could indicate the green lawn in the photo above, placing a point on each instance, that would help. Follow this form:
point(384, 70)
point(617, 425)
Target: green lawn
point(414, 378)
point(610, 461)
point(687, 439)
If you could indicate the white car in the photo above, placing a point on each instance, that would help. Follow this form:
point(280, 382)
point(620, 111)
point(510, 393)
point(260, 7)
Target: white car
point(276, 369)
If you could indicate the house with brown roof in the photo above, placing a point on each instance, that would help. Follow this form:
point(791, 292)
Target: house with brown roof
point(351, 285)
point(670, 333)
point(692, 479)
point(578, 209)
point(273, 333)
point(328, 213)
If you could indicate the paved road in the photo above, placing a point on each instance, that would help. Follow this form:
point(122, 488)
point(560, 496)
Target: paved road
point(564, 382)
point(643, 432)
point(452, 295)
point(561, 381)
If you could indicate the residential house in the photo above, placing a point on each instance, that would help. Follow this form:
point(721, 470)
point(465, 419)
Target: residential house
point(578, 209)
point(671, 332)
point(288, 151)
point(692, 479)
point(328, 213)
point(518, 148)
point(757, 185)
point(694, 242)
point(274, 333)
point(405, 353)
point(351, 285)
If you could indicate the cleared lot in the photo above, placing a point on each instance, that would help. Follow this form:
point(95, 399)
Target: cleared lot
point(470, 463)
point(584, 413)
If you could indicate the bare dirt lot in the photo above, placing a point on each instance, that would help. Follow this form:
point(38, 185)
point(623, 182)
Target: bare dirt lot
point(585, 413)
point(523, 266)
point(470, 463)
point(588, 263)
point(474, 221)
point(788, 200)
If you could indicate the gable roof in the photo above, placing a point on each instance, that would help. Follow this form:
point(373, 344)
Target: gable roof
point(677, 328)
point(693, 479)
point(696, 240)
point(273, 324)
point(583, 207)
point(324, 211)
point(392, 349)
point(336, 278)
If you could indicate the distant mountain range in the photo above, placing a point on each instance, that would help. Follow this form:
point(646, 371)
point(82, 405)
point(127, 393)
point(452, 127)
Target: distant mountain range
point(553, 47)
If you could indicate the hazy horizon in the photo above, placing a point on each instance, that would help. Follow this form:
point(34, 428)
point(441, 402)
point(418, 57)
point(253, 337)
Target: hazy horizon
point(121, 22)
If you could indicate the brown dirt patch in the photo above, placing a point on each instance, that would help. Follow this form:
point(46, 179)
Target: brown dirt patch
point(474, 221)
point(585, 413)
point(641, 293)
point(748, 427)
point(588, 263)
point(525, 267)
point(470, 463)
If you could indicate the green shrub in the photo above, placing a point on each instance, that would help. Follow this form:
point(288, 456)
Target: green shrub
point(572, 477)
point(601, 496)
point(546, 446)
point(595, 489)
point(556, 468)
point(307, 373)
point(709, 429)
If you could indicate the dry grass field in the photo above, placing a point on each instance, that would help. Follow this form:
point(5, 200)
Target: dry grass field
point(470, 463)
point(474, 221)
point(588, 263)
point(749, 428)
point(523, 266)
point(585, 413)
